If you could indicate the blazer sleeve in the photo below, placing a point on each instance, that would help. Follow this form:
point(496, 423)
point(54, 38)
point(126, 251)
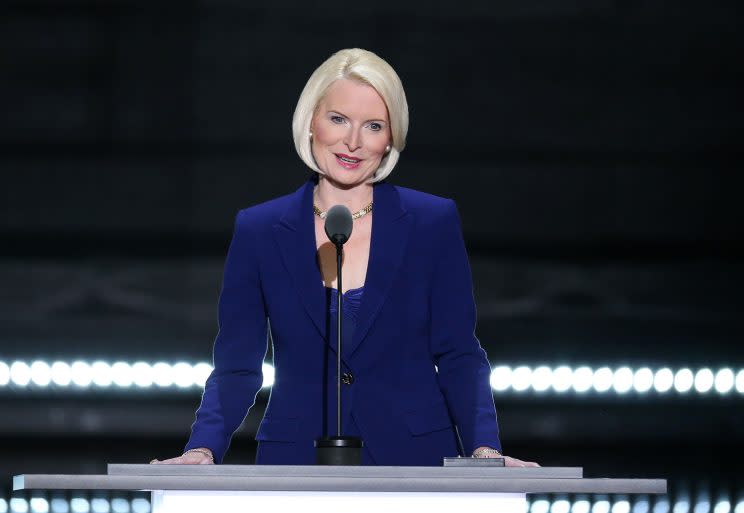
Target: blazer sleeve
point(239, 348)
point(463, 369)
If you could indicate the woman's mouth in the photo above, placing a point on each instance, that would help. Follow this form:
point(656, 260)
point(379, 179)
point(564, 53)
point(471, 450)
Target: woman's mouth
point(347, 161)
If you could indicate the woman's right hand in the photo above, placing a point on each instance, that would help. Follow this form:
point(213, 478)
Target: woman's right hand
point(201, 457)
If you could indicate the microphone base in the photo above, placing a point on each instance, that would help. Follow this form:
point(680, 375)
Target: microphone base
point(338, 450)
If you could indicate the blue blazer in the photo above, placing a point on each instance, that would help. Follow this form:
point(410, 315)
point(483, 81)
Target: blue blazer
point(418, 369)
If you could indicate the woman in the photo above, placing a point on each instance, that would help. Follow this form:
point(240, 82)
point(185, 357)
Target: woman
point(413, 368)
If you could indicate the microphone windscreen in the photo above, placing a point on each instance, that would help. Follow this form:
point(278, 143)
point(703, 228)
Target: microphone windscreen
point(338, 224)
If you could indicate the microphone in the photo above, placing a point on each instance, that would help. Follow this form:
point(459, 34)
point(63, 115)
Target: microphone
point(339, 449)
point(338, 225)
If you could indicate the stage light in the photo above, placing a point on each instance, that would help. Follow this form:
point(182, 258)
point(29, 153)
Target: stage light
point(119, 505)
point(704, 381)
point(101, 374)
point(501, 378)
point(182, 375)
point(82, 374)
point(59, 506)
point(622, 506)
point(61, 375)
point(79, 505)
point(541, 378)
point(540, 506)
point(701, 506)
point(521, 378)
point(18, 505)
point(722, 507)
point(643, 380)
point(3, 506)
point(622, 380)
point(268, 375)
point(583, 377)
point(740, 389)
point(99, 505)
point(739, 508)
point(560, 506)
point(683, 381)
point(562, 379)
point(724, 381)
point(661, 506)
point(201, 372)
point(602, 380)
point(142, 374)
point(581, 506)
point(140, 506)
point(663, 380)
point(121, 374)
point(681, 506)
point(41, 374)
point(641, 505)
point(163, 374)
point(20, 374)
point(601, 506)
point(39, 505)
point(4, 378)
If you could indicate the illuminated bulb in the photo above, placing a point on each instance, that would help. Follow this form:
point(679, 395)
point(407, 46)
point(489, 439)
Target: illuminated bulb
point(4, 374)
point(704, 381)
point(81, 374)
point(602, 383)
point(41, 375)
point(521, 378)
point(121, 374)
point(61, 376)
point(663, 380)
point(268, 375)
point(501, 378)
point(622, 380)
point(583, 377)
point(643, 380)
point(542, 378)
point(142, 374)
point(683, 382)
point(562, 379)
point(201, 372)
point(20, 374)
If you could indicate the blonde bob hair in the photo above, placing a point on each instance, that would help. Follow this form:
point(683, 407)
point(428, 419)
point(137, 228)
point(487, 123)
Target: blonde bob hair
point(367, 68)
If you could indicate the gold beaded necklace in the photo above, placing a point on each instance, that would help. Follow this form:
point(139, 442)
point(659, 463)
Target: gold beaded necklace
point(356, 215)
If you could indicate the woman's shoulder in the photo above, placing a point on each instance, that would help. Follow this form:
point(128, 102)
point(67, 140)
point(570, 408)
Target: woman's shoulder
point(267, 213)
point(419, 202)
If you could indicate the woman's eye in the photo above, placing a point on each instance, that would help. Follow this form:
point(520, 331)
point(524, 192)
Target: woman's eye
point(337, 119)
point(375, 126)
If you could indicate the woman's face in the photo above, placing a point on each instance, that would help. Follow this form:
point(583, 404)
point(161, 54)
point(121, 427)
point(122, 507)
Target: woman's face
point(351, 131)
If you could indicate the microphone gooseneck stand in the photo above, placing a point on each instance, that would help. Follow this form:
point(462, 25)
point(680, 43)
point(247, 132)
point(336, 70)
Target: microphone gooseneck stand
point(339, 449)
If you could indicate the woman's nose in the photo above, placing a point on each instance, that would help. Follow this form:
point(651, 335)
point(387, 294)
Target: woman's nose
point(353, 139)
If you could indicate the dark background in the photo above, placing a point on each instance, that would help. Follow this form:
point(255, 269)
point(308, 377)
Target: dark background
point(591, 147)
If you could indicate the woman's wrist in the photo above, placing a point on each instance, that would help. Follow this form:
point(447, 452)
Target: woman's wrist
point(486, 452)
point(201, 450)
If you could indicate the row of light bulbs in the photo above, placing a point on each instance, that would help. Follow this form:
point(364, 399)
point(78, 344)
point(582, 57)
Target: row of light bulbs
point(535, 505)
point(541, 379)
point(75, 505)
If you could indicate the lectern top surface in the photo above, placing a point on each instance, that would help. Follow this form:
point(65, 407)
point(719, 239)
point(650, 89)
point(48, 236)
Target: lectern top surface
point(337, 471)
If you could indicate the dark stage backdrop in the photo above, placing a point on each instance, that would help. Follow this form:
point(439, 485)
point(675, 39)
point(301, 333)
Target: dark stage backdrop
point(590, 145)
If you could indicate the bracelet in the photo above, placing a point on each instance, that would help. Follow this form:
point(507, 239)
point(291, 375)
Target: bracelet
point(201, 451)
point(484, 452)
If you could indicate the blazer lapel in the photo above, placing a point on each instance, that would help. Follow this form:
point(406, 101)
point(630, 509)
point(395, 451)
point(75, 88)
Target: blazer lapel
point(391, 225)
point(295, 236)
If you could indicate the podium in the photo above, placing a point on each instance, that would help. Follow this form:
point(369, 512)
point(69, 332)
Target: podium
point(233, 488)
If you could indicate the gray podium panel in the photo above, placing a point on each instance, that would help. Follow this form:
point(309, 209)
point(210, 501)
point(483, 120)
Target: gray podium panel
point(430, 484)
point(362, 472)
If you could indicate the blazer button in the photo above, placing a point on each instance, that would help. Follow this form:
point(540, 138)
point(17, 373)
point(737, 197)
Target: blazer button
point(347, 378)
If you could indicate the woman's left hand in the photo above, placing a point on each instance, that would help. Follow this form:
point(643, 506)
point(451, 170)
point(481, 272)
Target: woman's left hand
point(487, 452)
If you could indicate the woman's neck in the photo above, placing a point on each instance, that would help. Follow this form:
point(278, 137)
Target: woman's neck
point(327, 194)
